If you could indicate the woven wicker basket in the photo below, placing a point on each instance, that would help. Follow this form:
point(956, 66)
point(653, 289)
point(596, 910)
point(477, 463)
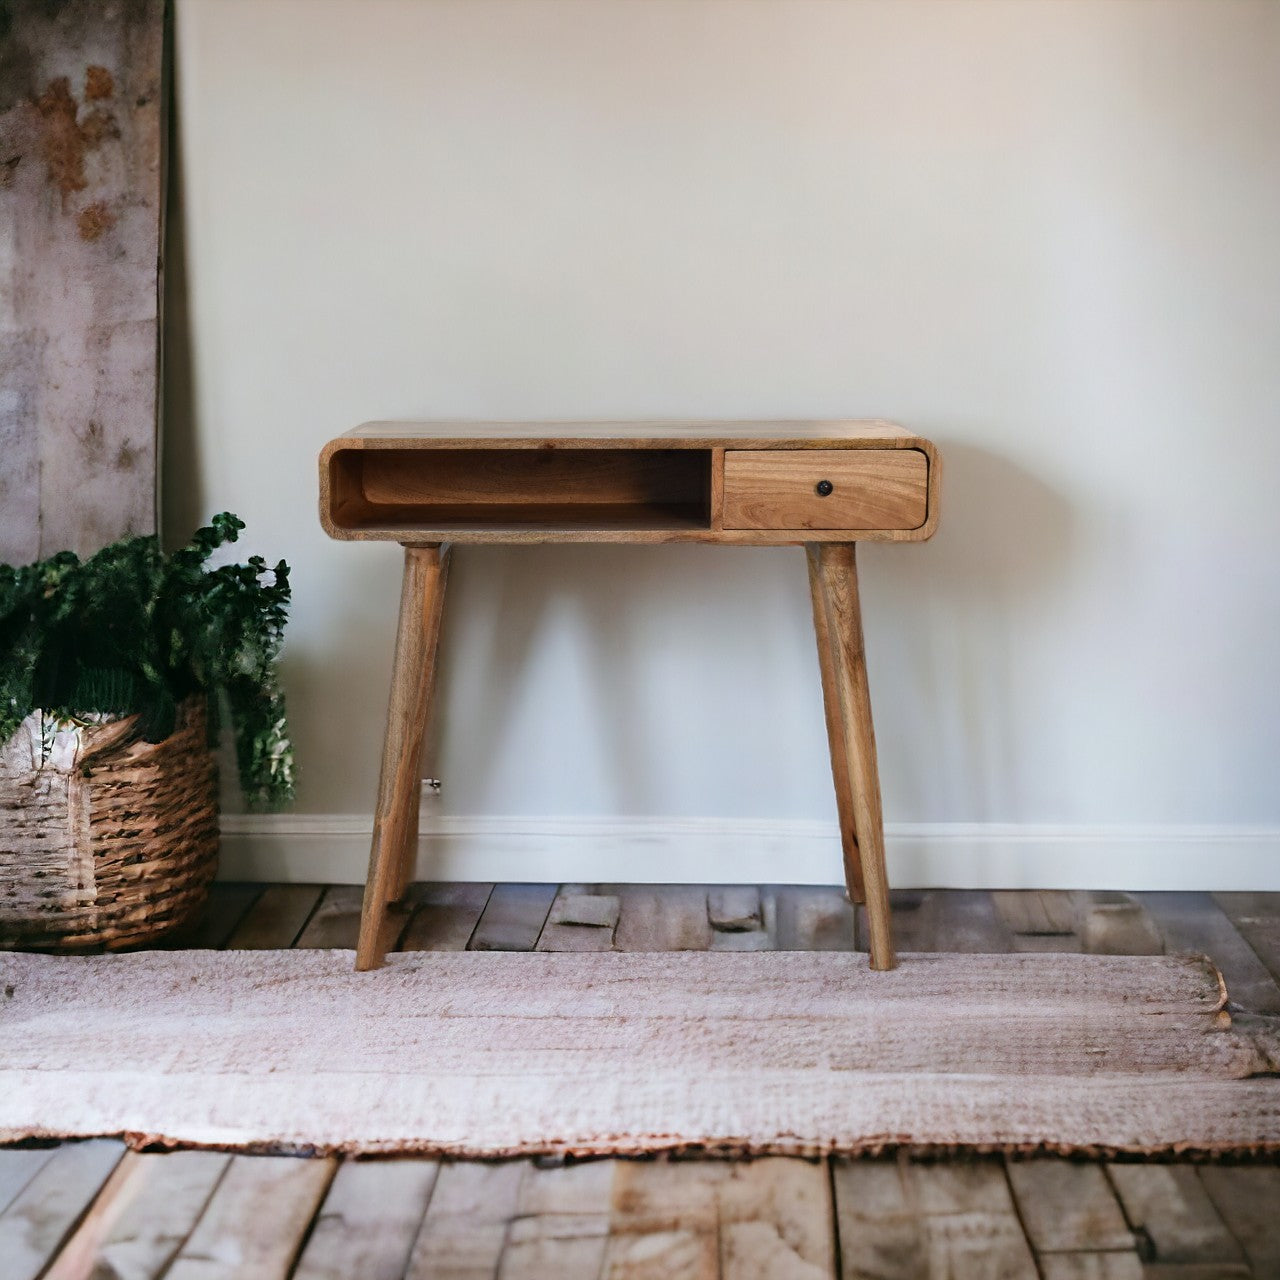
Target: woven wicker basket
point(106, 840)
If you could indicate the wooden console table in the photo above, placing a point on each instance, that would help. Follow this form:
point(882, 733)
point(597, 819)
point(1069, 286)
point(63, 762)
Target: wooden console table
point(823, 485)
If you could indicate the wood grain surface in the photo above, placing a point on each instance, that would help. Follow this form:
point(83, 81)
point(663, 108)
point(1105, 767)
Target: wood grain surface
point(395, 824)
point(513, 482)
point(837, 574)
point(869, 489)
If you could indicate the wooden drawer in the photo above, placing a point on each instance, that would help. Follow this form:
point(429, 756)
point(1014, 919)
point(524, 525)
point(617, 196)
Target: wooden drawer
point(825, 488)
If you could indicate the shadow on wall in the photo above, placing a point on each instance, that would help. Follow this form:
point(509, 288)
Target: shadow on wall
point(636, 637)
point(641, 634)
point(951, 627)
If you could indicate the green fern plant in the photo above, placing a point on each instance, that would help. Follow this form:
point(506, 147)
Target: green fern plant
point(135, 630)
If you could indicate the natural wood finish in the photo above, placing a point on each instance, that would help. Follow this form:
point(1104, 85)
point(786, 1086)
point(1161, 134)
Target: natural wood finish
point(561, 1222)
point(446, 916)
point(18, 1166)
point(663, 917)
point(395, 830)
point(235, 1239)
point(814, 918)
point(967, 921)
point(336, 921)
point(735, 909)
point(277, 918)
point(531, 522)
point(1171, 1207)
point(1247, 1197)
point(835, 731)
point(465, 1228)
point(368, 1222)
point(513, 918)
point(42, 1215)
point(580, 921)
point(717, 488)
point(1067, 1206)
point(1196, 1271)
point(838, 576)
point(457, 477)
point(900, 1220)
point(458, 487)
point(141, 1217)
point(1096, 1266)
point(423, 484)
point(642, 433)
point(1113, 924)
point(665, 1221)
point(1037, 912)
point(776, 1219)
point(744, 918)
point(700, 1221)
point(870, 489)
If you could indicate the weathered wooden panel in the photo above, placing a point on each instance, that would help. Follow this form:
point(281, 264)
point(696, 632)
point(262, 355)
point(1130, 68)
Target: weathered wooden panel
point(82, 126)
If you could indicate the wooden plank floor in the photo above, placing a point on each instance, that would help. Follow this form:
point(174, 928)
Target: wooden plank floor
point(93, 1211)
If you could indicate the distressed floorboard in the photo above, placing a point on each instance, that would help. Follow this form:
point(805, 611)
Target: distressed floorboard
point(368, 1222)
point(43, 1214)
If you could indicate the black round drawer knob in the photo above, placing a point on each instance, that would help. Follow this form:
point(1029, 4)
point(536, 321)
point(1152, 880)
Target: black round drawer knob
point(823, 488)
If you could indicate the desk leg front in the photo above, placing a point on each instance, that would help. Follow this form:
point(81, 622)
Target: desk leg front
point(395, 825)
point(838, 622)
point(835, 732)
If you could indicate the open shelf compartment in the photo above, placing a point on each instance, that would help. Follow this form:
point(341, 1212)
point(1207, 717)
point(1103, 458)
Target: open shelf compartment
point(455, 490)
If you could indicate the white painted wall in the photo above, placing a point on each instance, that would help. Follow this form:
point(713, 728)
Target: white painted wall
point(1047, 235)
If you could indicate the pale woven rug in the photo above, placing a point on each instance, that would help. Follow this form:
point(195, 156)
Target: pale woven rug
point(489, 1054)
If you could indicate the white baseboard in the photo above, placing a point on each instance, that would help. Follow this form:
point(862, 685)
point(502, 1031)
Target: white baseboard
point(334, 848)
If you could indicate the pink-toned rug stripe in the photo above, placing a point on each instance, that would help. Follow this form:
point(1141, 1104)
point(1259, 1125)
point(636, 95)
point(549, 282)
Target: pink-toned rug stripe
point(489, 1054)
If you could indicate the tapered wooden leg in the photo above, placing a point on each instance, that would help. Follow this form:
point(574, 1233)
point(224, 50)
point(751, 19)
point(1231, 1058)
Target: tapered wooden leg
point(835, 732)
point(409, 845)
point(838, 577)
point(395, 824)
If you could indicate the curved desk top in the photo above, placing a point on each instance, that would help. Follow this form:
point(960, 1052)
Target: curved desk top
point(764, 483)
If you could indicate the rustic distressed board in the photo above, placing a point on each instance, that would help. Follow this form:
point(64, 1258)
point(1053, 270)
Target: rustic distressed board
point(277, 918)
point(142, 1216)
point(907, 1220)
point(368, 1222)
point(42, 1215)
point(17, 1168)
point(1169, 1205)
point(446, 916)
point(1248, 1197)
point(82, 138)
point(465, 1228)
point(1067, 1206)
point(815, 918)
point(561, 1224)
point(1114, 924)
point(662, 917)
point(513, 917)
point(336, 921)
point(252, 1227)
